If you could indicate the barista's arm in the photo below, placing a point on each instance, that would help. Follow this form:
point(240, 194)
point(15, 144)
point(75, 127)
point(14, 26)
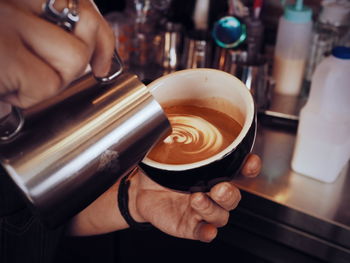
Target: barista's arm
point(193, 216)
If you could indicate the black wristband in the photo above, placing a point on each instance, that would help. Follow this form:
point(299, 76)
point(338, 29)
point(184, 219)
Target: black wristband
point(123, 203)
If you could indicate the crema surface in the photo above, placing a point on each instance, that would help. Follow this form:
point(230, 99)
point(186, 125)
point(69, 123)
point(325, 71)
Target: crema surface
point(197, 134)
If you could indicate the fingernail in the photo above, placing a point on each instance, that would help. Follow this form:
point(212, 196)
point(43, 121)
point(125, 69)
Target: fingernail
point(103, 70)
point(106, 71)
point(254, 164)
point(107, 68)
point(197, 201)
point(223, 191)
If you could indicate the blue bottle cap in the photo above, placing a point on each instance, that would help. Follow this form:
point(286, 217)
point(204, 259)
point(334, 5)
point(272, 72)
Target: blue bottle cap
point(298, 13)
point(229, 32)
point(341, 52)
point(298, 16)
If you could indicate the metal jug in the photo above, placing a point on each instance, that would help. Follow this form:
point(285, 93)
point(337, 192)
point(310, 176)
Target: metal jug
point(66, 151)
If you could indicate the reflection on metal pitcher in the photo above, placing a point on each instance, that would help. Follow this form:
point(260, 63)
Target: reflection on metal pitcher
point(81, 141)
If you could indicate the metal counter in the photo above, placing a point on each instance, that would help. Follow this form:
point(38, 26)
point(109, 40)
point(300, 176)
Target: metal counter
point(303, 219)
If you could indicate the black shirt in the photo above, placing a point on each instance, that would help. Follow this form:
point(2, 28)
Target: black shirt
point(23, 238)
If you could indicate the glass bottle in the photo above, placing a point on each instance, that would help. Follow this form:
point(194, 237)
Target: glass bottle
point(331, 25)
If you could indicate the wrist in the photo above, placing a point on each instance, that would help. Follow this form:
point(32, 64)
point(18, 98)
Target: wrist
point(134, 190)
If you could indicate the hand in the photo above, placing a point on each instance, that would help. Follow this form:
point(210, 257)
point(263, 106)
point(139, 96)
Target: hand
point(39, 58)
point(193, 216)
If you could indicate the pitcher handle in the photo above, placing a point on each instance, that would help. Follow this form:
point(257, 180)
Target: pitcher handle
point(117, 68)
point(11, 123)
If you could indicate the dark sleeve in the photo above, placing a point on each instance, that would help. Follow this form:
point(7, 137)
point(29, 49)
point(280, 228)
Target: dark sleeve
point(11, 200)
point(23, 238)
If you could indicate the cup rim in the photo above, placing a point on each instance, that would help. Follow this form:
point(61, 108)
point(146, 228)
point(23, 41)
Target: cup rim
point(249, 119)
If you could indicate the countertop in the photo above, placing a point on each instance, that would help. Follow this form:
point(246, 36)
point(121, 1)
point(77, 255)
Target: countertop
point(305, 214)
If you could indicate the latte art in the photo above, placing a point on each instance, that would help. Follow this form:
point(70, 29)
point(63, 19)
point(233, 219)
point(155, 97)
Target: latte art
point(195, 131)
point(197, 134)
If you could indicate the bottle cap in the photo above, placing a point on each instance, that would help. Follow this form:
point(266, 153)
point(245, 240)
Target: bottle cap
point(229, 32)
point(298, 13)
point(341, 52)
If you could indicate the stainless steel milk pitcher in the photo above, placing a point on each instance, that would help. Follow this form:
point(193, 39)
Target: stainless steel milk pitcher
point(74, 146)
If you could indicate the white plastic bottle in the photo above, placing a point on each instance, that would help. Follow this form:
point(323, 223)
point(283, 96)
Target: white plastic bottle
point(322, 146)
point(292, 46)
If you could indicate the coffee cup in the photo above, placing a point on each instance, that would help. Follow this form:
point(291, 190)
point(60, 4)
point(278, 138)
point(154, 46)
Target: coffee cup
point(210, 89)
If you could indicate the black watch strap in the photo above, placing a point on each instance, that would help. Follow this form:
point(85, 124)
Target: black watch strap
point(123, 203)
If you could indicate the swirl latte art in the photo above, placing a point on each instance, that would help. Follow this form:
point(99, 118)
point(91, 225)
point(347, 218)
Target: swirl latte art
point(194, 131)
point(197, 134)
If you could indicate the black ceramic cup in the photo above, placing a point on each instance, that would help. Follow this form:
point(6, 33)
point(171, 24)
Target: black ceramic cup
point(213, 89)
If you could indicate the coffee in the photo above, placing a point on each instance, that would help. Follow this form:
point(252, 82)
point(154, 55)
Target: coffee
point(198, 133)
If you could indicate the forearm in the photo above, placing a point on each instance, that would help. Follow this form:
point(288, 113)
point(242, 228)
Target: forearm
point(103, 215)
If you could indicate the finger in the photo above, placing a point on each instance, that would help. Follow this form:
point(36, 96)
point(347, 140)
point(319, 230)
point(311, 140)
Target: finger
point(205, 232)
point(225, 195)
point(208, 210)
point(252, 166)
point(96, 33)
point(61, 50)
point(91, 29)
point(104, 49)
point(28, 71)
